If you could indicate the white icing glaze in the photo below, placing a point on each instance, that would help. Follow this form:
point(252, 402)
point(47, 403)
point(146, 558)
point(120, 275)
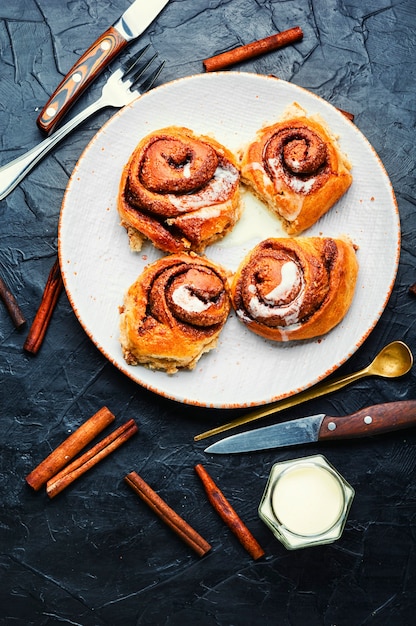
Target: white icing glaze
point(291, 279)
point(243, 316)
point(302, 185)
point(183, 297)
point(207, 212)
point(295, 164)
point(257, 222)
point(286, 332)
point(187, 170)
point(255, 166)
point(298, 186)
point(218, 188)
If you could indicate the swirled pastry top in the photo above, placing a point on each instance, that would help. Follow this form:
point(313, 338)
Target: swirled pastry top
point(179, 190)
point(174, 312)
point(299, 288)
point(296, 168)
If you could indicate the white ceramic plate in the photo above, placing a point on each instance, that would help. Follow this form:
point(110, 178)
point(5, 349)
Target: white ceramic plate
point(97, 265)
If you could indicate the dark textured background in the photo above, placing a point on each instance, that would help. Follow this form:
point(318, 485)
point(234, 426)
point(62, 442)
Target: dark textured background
point(96, 555)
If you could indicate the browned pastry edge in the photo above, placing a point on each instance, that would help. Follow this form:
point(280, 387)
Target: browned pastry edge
point(165, 331)
point(171, 219)
point(296, 206)
point(312, 299)
point(343, 269)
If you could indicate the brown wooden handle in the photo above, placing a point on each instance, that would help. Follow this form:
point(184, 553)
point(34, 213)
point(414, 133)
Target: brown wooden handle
point(89, 66)
point(372, 420)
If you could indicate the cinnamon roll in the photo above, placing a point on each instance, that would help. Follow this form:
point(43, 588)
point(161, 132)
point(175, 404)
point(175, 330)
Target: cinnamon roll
point(179, 190)
point(295, 288)
point(297, 169)
point(174, 312)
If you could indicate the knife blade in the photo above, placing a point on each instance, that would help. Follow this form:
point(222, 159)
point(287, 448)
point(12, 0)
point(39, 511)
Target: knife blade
point(372, 420)
point(129, 26)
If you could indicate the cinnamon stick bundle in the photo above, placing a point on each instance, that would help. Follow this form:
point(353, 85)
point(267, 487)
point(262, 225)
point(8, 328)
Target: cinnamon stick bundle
point(37, 332)
point(167, 515)
point(254, 49)
point(11, 305)
point(69, 448)
point(93, 456)
point(228, 514)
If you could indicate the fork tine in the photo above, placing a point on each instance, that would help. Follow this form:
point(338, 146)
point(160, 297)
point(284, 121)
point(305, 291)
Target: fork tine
point(129, 65)
point(150, 80)
point(142, 69)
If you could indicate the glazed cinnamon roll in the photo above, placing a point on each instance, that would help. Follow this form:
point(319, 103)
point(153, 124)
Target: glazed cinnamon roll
point(179, 190)
point(297, 169)
point(295, 288)
point(174, 312)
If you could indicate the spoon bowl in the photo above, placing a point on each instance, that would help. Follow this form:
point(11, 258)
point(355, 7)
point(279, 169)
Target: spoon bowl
point(392, 361)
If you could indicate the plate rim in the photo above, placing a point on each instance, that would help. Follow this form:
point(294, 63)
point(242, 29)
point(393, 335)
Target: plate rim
point(194, 401)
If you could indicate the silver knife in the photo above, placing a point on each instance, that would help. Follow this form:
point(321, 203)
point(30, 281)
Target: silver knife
point(131, 24)
point(372, 420)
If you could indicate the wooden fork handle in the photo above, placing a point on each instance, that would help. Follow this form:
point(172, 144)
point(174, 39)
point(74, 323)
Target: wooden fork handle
point(89, 66)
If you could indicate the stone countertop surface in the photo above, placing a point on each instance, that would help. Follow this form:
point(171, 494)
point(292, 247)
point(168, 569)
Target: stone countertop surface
point(96, 555)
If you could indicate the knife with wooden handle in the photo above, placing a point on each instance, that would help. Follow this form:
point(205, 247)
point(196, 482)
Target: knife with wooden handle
point(130, 25)
point(373, 420)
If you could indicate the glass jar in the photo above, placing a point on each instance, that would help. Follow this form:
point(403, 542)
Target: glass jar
point(306, 502)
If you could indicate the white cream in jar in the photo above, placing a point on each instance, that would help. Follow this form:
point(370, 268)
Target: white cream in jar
point(306, 502)
point(308, 499)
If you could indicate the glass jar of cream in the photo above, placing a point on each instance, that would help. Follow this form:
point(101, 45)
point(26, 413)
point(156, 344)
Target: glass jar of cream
point(306, 502)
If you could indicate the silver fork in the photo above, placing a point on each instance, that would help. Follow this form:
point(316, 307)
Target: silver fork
point(121, 88)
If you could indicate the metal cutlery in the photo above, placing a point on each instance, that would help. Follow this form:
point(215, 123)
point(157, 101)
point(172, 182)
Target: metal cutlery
point(128, 27)
point(122, 87)
point(379, 418)
point(393, 360)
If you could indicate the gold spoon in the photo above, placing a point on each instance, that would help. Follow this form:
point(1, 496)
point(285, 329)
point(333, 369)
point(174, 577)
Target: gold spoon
point(392, 361)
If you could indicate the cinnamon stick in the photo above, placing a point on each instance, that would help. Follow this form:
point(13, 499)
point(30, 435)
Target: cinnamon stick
point(90, 458)
point(228, 514)
point(252, 50)
point(37, 332)
point(168, 515)
point(69, 448)
point(11, 305)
